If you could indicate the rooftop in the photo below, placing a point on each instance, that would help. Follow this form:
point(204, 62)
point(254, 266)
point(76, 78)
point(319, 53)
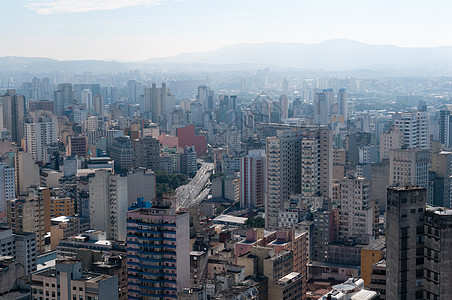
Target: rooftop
point(440, 210)
point(288, 278)
point(376, 244)
point(229, 219)
point(334, 265)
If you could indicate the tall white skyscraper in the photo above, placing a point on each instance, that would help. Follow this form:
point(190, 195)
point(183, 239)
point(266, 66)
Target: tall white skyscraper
point(7, 185)
point(40, 131)
point(108, 204)
point(415, 129)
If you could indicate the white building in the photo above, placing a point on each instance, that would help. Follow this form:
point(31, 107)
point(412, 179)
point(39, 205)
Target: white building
point(415, 129)
point(234, 139)
point(108, 204)
point(356, 214)
point(37, 136)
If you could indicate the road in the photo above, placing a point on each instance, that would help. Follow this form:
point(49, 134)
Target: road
point(196, 190)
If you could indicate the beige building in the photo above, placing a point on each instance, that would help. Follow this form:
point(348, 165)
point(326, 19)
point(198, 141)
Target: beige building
point(409, 167)
point(390, 140)
point(69, 281)
point(65, 227)
point(288, 287)
point(27, 172)
point(27, 214)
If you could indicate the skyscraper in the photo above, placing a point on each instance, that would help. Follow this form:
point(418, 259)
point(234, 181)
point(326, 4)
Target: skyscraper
point(13, 113)
point(28, 214)
point(253, 179)
point(147, 153)
point(405, 243)
point(409, 167)
point(442, 166)
point(445, 127)
point(158, 252)
point(321, 109)
point(98, 105)
point(390, 140)
point(205, 97)
point(63, 98)
point(284, 106)
point(415, 129)
point(7, 186)
point(108, 204)
point(87, 99)
point(123, 153)
point(40, 131)
point(154, 102)
point(356, 214)
point(286, 164)
point(27, 172)
point(437, 253)
point(132, 91)
point(342, 100)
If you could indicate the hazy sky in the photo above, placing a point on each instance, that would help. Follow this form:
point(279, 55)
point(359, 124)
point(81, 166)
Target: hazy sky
point(141, 29)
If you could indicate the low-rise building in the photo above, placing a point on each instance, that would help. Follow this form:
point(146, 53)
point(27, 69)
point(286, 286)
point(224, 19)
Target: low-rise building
point(68, 281)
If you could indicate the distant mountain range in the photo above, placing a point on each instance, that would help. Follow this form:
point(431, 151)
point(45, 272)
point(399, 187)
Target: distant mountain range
point(332, 55)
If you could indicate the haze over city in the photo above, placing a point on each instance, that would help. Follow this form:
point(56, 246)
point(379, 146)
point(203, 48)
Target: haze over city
point(135, 30)
point(225, 150)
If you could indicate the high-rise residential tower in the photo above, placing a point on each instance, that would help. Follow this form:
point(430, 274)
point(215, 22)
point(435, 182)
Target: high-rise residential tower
point(7, 186)
point(390, 140)
point(437, 253)
point(288, 160)
point(108, 204)
point(415, 129)
point(253, 179)
point(356, 214)
point(40, 131)
point(342, 100)
point(158, 252)
point(13, 113)
point(405, 242)
point(409, 167)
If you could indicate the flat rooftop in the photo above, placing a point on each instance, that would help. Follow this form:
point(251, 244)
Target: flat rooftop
point(440, 210)
point(229, 219)
point(288, 278)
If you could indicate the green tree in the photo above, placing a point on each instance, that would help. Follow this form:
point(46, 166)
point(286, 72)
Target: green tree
point(254, 222)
